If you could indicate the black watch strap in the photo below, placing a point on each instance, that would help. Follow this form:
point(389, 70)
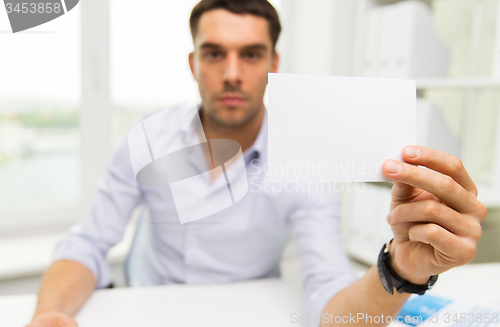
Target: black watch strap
point(390, 279)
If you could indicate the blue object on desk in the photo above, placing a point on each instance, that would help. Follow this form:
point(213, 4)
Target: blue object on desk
point(422, 306)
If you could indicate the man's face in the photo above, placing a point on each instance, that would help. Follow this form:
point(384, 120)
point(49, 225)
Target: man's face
point(232, 56)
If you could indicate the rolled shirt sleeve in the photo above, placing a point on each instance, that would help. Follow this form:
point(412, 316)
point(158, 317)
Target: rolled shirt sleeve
point(114, 199)
point(326, 270)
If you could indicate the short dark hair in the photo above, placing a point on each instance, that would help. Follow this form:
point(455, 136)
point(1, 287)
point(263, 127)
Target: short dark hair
point(261, 8)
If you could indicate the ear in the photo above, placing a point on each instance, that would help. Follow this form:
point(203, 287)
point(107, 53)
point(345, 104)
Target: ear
point(191, 64)
point(275, 62)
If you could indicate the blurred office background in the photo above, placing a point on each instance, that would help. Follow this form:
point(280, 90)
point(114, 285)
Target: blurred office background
point(69, 89)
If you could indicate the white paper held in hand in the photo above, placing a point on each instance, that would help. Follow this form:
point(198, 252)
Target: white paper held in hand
point(333, 128)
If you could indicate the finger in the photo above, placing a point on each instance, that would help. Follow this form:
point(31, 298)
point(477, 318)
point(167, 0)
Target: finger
point(66, 321)
point(402, 192)
point(441, 162)
point(450, 248)
point(435, 212)
point(70, 322)
point(442, 186)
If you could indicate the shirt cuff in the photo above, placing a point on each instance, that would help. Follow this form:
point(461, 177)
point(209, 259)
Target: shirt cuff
point(82, 250)
point(315, 303)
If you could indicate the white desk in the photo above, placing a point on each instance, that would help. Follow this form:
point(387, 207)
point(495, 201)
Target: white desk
point(254, 303)
point(471, 282)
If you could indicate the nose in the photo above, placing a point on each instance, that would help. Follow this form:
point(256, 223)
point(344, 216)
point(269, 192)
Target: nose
point(232, 76)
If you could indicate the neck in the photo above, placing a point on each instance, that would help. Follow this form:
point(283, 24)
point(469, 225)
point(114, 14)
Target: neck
point(244, 134)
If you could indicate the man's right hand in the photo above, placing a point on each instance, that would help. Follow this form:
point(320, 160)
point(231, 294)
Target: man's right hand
point(64, 288)
point(53, 319)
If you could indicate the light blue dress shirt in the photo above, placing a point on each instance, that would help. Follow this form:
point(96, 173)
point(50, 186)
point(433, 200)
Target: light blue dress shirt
point(244, 241)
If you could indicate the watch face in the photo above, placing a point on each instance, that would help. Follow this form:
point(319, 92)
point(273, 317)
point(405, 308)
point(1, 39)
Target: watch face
point(386, 284)
point(383, 273)
point(383, 278)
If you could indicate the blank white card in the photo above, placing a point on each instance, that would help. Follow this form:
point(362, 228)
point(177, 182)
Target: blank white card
point(331, 128)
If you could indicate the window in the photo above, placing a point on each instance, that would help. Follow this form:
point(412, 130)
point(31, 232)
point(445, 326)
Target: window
point(66, 84)
point(39, 115)
point(149, 47)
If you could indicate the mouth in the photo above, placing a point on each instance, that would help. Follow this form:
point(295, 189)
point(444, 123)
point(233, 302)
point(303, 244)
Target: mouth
point(231, 101)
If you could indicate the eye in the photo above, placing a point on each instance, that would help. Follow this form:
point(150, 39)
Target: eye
point(251, 55)
point(213, 55)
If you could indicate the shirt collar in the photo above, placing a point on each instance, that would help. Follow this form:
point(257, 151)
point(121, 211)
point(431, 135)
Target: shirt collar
point(187, 125)
point(258, 148)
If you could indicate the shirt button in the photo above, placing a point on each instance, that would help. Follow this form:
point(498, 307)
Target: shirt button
point(193, 239)
point(193, 268)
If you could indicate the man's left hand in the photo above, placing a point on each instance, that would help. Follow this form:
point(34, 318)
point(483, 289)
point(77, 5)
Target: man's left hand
point(435, 215)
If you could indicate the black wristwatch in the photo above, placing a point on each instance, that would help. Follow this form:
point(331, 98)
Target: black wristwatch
point(390, 279)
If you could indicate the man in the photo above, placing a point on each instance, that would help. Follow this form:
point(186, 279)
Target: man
point(434, 214)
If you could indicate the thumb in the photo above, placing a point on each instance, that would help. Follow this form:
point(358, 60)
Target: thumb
point(401, 193)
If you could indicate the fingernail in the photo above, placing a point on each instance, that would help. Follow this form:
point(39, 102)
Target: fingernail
point(412, 152)
point(393, 167)
point(389, 218)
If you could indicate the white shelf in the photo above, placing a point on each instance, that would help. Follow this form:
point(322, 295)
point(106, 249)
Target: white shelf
point(458, 83)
